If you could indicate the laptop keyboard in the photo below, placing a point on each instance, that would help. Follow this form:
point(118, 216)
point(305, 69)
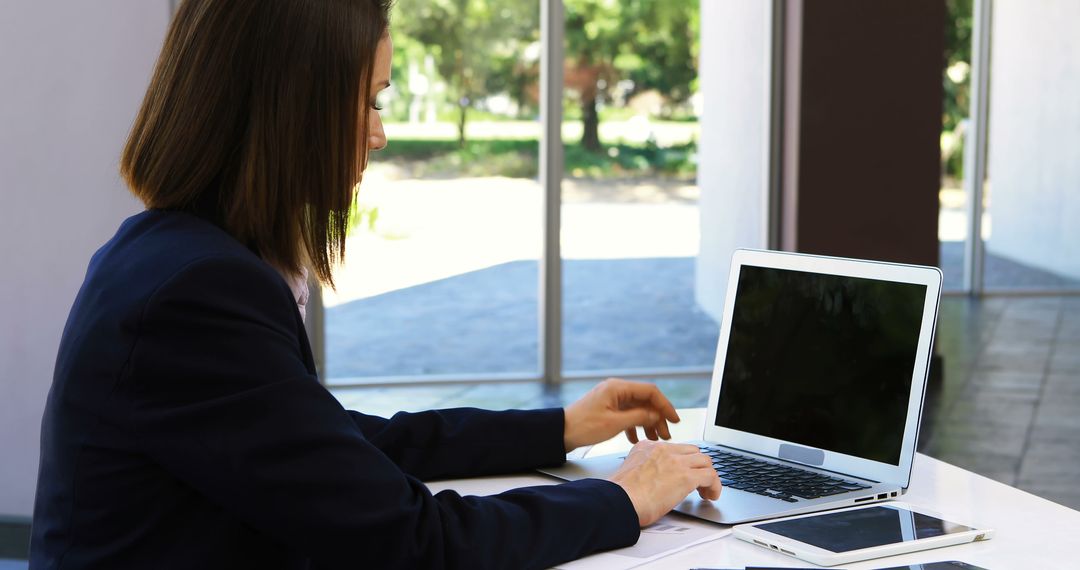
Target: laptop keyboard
point(775, 480)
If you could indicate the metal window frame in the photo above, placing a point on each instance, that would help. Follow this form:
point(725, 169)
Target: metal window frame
point(975, 179)
point(552, 34)
point(523, 378)
point(775, 84)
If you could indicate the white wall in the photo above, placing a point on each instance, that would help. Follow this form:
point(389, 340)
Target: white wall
point(72, 75)
point(1033, 157)
point(732, 152)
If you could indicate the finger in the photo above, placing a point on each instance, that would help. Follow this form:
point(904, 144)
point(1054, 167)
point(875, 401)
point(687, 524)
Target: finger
point(664, 406)
point(710, 493)
point(631, 434)
point(663, 430)
point(707, 479)
point(651, 433)
point(709, 486)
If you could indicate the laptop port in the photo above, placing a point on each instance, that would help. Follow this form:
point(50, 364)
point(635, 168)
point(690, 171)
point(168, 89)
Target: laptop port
point(883, 496)
point(870, 498)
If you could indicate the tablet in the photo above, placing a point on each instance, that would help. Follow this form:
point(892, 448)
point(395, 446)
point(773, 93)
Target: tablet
point(859, 533)
point(948, 565)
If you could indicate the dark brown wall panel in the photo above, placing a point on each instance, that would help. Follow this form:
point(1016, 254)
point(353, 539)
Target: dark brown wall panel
point(870, 103)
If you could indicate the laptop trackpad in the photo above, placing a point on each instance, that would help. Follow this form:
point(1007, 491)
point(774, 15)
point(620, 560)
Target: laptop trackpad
point(806, 455)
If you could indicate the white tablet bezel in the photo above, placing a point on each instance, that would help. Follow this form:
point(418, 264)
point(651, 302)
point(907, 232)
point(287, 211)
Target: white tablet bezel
point(810, 553)
point(833, 461)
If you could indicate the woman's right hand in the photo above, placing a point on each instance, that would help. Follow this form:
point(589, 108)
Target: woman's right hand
point(657, 476)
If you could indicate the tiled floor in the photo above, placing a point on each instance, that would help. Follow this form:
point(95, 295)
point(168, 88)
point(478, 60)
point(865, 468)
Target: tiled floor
point(1008, 405)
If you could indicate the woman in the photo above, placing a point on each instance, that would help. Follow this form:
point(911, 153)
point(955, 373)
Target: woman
point(186, 428)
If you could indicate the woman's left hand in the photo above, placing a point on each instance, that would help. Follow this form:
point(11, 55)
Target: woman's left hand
point(617, 405)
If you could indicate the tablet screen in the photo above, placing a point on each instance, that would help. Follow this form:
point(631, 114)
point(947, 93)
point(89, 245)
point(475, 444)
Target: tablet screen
point(862, 528)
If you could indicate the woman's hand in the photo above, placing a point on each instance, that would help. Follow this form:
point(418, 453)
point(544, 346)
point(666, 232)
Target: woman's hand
point(658, 476)
point(618, 405)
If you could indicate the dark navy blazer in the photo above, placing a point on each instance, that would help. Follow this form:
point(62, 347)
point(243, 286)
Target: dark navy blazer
point(185, 428)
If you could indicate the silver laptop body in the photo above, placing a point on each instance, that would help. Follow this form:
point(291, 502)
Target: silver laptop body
point(818, 386)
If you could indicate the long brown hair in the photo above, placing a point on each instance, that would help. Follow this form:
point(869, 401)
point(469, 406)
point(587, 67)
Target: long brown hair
point(256, 117)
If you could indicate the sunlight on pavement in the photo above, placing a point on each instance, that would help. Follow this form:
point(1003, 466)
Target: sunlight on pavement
point(434, 229)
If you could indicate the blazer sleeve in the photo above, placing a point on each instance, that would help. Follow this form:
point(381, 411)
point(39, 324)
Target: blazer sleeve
point(467, 442)
point(222, 401)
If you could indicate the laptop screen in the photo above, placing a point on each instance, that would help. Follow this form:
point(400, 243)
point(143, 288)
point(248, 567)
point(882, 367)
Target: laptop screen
point(822, 360)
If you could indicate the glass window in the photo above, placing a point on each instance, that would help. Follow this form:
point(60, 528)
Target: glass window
point(1032, 190)
point(630, 218)
point(441, 272)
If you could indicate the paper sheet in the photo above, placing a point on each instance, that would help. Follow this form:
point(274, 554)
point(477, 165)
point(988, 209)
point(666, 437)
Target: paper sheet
point(667, 536)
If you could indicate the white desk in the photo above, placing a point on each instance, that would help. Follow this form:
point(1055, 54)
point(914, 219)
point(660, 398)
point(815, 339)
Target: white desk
point(1031, 532)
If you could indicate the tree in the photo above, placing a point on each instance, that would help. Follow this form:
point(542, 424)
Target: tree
point(664, 44)
point(653, 43)
point(594, 37)
point(474, 42)
point(478, 47)
point(957, 80)
point(958, 29)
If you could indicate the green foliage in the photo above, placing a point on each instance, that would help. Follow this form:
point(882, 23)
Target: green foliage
point(519, 158)
point(652, 43)
point(958, 30)
point(662, 42)
point(479, 48)
point(627, 161)
point(957, 79)
point(476, 44)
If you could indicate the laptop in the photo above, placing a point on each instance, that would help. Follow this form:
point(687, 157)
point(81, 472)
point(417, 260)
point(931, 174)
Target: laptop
point(818, 386)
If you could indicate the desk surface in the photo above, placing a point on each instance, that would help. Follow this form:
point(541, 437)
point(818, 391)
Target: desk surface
point(1031, 532)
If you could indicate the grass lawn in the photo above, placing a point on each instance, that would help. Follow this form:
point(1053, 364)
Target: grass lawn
point(633, 148)
point(519, 158)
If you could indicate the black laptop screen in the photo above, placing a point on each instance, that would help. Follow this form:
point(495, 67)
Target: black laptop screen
point(822, 360)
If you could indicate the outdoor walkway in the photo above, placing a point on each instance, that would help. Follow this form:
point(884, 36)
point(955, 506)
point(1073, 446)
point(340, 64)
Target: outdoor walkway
point(618, 314)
